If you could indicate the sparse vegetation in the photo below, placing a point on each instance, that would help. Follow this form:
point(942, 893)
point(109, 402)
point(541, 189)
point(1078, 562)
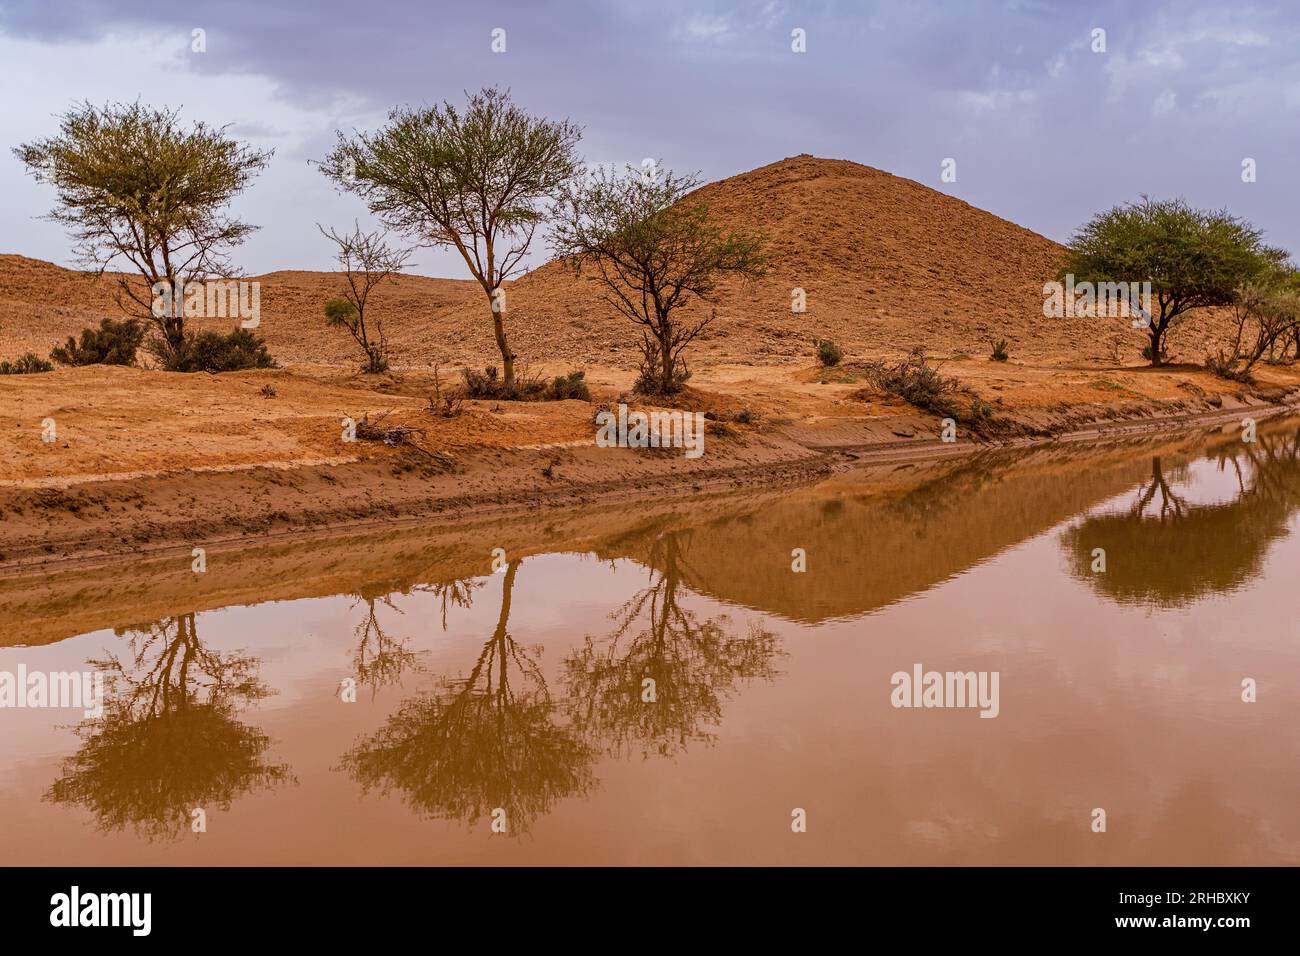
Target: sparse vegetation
point(473, 179)
point(1193, 258)
point(917, 382)
point(488, 385)
point(999, 353)
point(113, 343)
point(134, 185)
point(367, 260)
point(1266, 311)
point(571, 386)
point(209, 351)
point(447, 404)
point(27, 365)
point(379, 430)
point(828, 353)
point(650, 379)
point(653, 248)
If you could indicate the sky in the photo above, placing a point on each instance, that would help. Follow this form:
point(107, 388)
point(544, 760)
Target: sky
point(1044, 129)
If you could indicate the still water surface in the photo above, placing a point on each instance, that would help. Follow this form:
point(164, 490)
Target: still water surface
point(521, 691)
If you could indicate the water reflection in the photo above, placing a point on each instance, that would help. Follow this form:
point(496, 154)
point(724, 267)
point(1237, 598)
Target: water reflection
point(492, 740)
point(168, 741)
point(693, 664)
point(901, 560)
point(499, 739)
point(379, 658)
point(1167, 551)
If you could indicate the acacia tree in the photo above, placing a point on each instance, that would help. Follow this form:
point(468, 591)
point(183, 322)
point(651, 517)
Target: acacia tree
point(134, 184)
point(1265, 310)
point(1192, 257)
point(367, 260)
point(654, 248)
point(473, 179)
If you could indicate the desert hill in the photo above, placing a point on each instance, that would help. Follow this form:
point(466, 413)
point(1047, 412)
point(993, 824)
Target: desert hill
point(886, 264)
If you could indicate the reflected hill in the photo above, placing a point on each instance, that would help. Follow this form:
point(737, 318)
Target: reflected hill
point(880, 534)
point(169, 740)
point(873, 536)
point(1163, 551)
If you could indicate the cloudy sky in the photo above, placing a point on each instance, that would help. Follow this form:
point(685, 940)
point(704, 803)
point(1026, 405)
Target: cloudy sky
point(1045, 131)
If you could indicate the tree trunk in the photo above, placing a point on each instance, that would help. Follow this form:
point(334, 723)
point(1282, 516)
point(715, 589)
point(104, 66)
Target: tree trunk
point(665, 368)
point(1157, 337)
point(507, 357)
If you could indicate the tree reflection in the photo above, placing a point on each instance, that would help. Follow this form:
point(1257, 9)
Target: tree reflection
point(694, 664)
point(380, 659)
point(168, 741)
point(1166, 552)
point(491, 740)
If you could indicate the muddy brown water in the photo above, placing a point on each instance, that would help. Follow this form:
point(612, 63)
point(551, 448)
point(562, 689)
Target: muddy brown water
point(518, 697)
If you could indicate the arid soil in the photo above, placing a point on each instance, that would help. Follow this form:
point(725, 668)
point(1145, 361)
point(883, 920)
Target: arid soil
point(145, 461)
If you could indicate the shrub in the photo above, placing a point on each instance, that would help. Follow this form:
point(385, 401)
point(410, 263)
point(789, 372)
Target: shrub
point(113, 343)
point(573, 385)
point(921, 384)
point(916, 382)
point(26, 365)
point(828, 353)
point(650, 381)
point(1146, 354)
point(488, 384)
point(213, 352)
point(1000, 353)
point(342, 313)
point(1226, 368)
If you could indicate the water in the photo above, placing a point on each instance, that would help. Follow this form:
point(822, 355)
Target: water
point(517, 696)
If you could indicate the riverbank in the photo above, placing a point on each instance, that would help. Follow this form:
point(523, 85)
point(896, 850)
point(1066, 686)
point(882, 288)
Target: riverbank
point(147, 463)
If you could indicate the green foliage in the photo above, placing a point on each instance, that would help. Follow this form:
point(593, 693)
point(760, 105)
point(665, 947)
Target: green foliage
point(917, 382)
point(1000, 353)
point(473, 179)
point(113, 343)
point(651, 242)
point(828, 353)
point(923, 385)
point(1193, 258)
point(209, 351)
point(651, 380)
point(367, 260)
point(26, 365)
point(489, 385)
point(133, 184)
point(341, 312)
point(573, 385)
